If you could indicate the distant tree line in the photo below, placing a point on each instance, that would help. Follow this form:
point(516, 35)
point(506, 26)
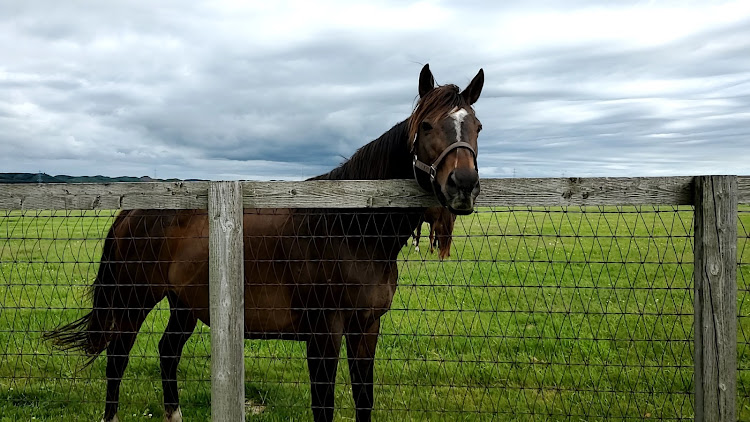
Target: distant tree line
point(61, 178)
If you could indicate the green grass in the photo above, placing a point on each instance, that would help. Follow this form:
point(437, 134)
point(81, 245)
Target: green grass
point(539, 314)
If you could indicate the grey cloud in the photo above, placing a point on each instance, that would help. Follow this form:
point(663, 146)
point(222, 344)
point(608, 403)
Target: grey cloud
point(129, 88)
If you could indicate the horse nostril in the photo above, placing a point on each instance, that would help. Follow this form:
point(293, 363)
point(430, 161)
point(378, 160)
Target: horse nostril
point(453, 178)
point(464, 179)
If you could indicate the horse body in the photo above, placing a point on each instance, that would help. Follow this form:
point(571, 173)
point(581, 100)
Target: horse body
point(315, 275)
point(295, 261)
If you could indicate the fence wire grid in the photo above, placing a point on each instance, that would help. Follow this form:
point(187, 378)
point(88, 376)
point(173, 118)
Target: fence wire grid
point(538, 314)
point(743, 312)
point(48, 262)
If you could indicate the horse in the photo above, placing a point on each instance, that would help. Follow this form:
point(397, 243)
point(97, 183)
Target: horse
point(311, 275)
point(441, 222)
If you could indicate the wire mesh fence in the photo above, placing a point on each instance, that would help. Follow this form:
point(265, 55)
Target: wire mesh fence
point(48, 262)
point(743, 312)
point(539, 313)
point(558, 314)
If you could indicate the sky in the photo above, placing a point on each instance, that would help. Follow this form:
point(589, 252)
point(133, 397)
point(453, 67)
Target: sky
point(250, 90)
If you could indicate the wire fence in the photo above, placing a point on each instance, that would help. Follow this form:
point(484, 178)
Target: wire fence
point(48, 262)
point(561, 313)
point(743, 312)
point(577, 313)
point(539, 313)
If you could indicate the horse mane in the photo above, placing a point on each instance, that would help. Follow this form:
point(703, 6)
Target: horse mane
point(367, 163)
point(374, 161)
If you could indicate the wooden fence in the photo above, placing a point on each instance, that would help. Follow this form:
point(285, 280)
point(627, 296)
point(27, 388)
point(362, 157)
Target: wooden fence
point(715, 199)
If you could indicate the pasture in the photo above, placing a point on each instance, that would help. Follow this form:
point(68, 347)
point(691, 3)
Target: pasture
point(539, 314)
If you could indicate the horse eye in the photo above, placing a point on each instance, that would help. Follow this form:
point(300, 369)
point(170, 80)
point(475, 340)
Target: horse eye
point(426, 126)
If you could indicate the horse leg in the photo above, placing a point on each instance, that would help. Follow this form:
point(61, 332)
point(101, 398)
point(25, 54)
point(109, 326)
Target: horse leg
point(323, 349)
point(179, 329)
point(118, 354)
point(360, 352)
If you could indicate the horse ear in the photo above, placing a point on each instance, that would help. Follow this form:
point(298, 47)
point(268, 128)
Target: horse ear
point(426, 81)
point(471, 93)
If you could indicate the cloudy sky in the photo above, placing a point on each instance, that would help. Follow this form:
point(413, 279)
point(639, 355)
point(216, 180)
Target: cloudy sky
point(284, 90)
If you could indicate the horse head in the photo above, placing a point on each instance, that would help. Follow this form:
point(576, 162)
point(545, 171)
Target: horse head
point(443, 132)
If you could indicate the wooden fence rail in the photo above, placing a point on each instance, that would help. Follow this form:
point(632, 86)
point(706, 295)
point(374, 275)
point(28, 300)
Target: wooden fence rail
point(715, 199)
point(357, 194)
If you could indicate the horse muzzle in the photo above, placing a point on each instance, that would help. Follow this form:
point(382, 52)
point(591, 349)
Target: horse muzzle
point(461, 190)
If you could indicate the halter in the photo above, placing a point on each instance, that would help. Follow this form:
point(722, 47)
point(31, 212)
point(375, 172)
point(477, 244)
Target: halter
point(431, 169)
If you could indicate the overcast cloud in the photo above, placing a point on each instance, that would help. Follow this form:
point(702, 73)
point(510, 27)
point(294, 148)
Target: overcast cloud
point(285, 90)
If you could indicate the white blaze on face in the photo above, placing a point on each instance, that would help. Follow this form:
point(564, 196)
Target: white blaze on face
point(458, 117)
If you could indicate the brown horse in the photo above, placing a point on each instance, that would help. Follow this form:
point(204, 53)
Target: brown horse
point(314, 275)
point(441, 222)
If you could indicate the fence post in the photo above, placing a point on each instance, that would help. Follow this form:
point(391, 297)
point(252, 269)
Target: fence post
point(715, 298)
point(227, 302)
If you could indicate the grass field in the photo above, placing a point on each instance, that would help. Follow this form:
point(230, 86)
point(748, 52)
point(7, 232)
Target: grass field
point(539, 314)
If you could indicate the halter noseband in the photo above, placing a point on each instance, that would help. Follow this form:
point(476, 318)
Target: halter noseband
point(431, 169)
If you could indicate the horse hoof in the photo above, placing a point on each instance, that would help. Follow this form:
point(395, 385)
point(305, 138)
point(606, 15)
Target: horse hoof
point(114, 419)
point(176, 416)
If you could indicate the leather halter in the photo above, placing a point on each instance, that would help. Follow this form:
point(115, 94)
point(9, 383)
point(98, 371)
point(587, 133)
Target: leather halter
point(431, 169)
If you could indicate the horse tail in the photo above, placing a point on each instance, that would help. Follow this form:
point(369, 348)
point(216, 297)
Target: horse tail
point(92, 332)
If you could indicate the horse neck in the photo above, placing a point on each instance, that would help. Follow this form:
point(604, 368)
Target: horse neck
point(372, 233)
point(387, 157)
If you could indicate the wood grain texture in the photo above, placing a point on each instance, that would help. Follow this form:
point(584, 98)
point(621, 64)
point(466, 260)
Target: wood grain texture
point(494, 192)
point(588, 191)
point(336, 194)
point(743, 189)
point(104, 196)
point(358, 193)
point(715, 298)
point(227, 304)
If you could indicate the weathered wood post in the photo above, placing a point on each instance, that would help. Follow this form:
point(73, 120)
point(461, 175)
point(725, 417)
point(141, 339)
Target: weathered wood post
point(226, 301)
point(715, 298)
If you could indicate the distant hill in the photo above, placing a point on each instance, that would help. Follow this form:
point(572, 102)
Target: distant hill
point(61, 178)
